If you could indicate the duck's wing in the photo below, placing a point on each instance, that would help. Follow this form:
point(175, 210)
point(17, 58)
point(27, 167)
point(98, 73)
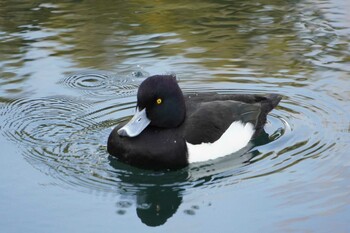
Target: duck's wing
point(213, 113)
point(209, 120)
point(266, 102)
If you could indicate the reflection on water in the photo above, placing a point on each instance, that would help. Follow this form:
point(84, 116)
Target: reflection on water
point(158, 194)
point(69, 72)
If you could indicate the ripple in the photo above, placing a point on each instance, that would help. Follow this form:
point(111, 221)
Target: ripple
point(42, 121)
point(104, 85)
point(58, 136)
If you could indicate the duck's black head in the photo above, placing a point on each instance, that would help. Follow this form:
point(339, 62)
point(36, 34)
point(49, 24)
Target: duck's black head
point(160, 103)
point(163, 100)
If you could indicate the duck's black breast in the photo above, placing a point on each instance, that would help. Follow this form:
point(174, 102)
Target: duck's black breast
point(154, 148)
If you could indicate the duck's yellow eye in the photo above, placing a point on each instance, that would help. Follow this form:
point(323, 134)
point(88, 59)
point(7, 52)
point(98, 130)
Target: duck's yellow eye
point(159, 101)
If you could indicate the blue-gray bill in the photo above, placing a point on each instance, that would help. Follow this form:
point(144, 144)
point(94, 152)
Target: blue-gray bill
point(136, 125)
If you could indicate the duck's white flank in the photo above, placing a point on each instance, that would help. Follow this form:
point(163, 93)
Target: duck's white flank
point(235, 138)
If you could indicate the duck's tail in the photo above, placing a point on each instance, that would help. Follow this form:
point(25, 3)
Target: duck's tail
point(268, 102)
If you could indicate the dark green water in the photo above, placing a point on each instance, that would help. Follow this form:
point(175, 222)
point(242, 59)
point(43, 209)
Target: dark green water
point(69, 72)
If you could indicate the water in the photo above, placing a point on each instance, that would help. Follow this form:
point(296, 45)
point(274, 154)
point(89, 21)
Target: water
point(69, 73)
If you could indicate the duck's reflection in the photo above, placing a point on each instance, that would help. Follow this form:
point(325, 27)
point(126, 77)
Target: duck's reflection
point(155, 205)
point(158, 194)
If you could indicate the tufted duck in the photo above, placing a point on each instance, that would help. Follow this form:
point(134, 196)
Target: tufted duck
point(170, 130)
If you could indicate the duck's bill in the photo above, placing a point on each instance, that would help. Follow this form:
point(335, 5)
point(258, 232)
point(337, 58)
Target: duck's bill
point(136, 125)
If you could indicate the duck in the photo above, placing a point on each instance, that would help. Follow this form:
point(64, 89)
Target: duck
point(171, 130)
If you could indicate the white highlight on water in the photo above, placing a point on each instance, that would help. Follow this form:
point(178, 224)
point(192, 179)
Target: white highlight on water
point(235, 138)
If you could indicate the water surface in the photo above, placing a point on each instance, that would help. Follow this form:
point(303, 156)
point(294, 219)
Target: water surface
point(69, 73)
